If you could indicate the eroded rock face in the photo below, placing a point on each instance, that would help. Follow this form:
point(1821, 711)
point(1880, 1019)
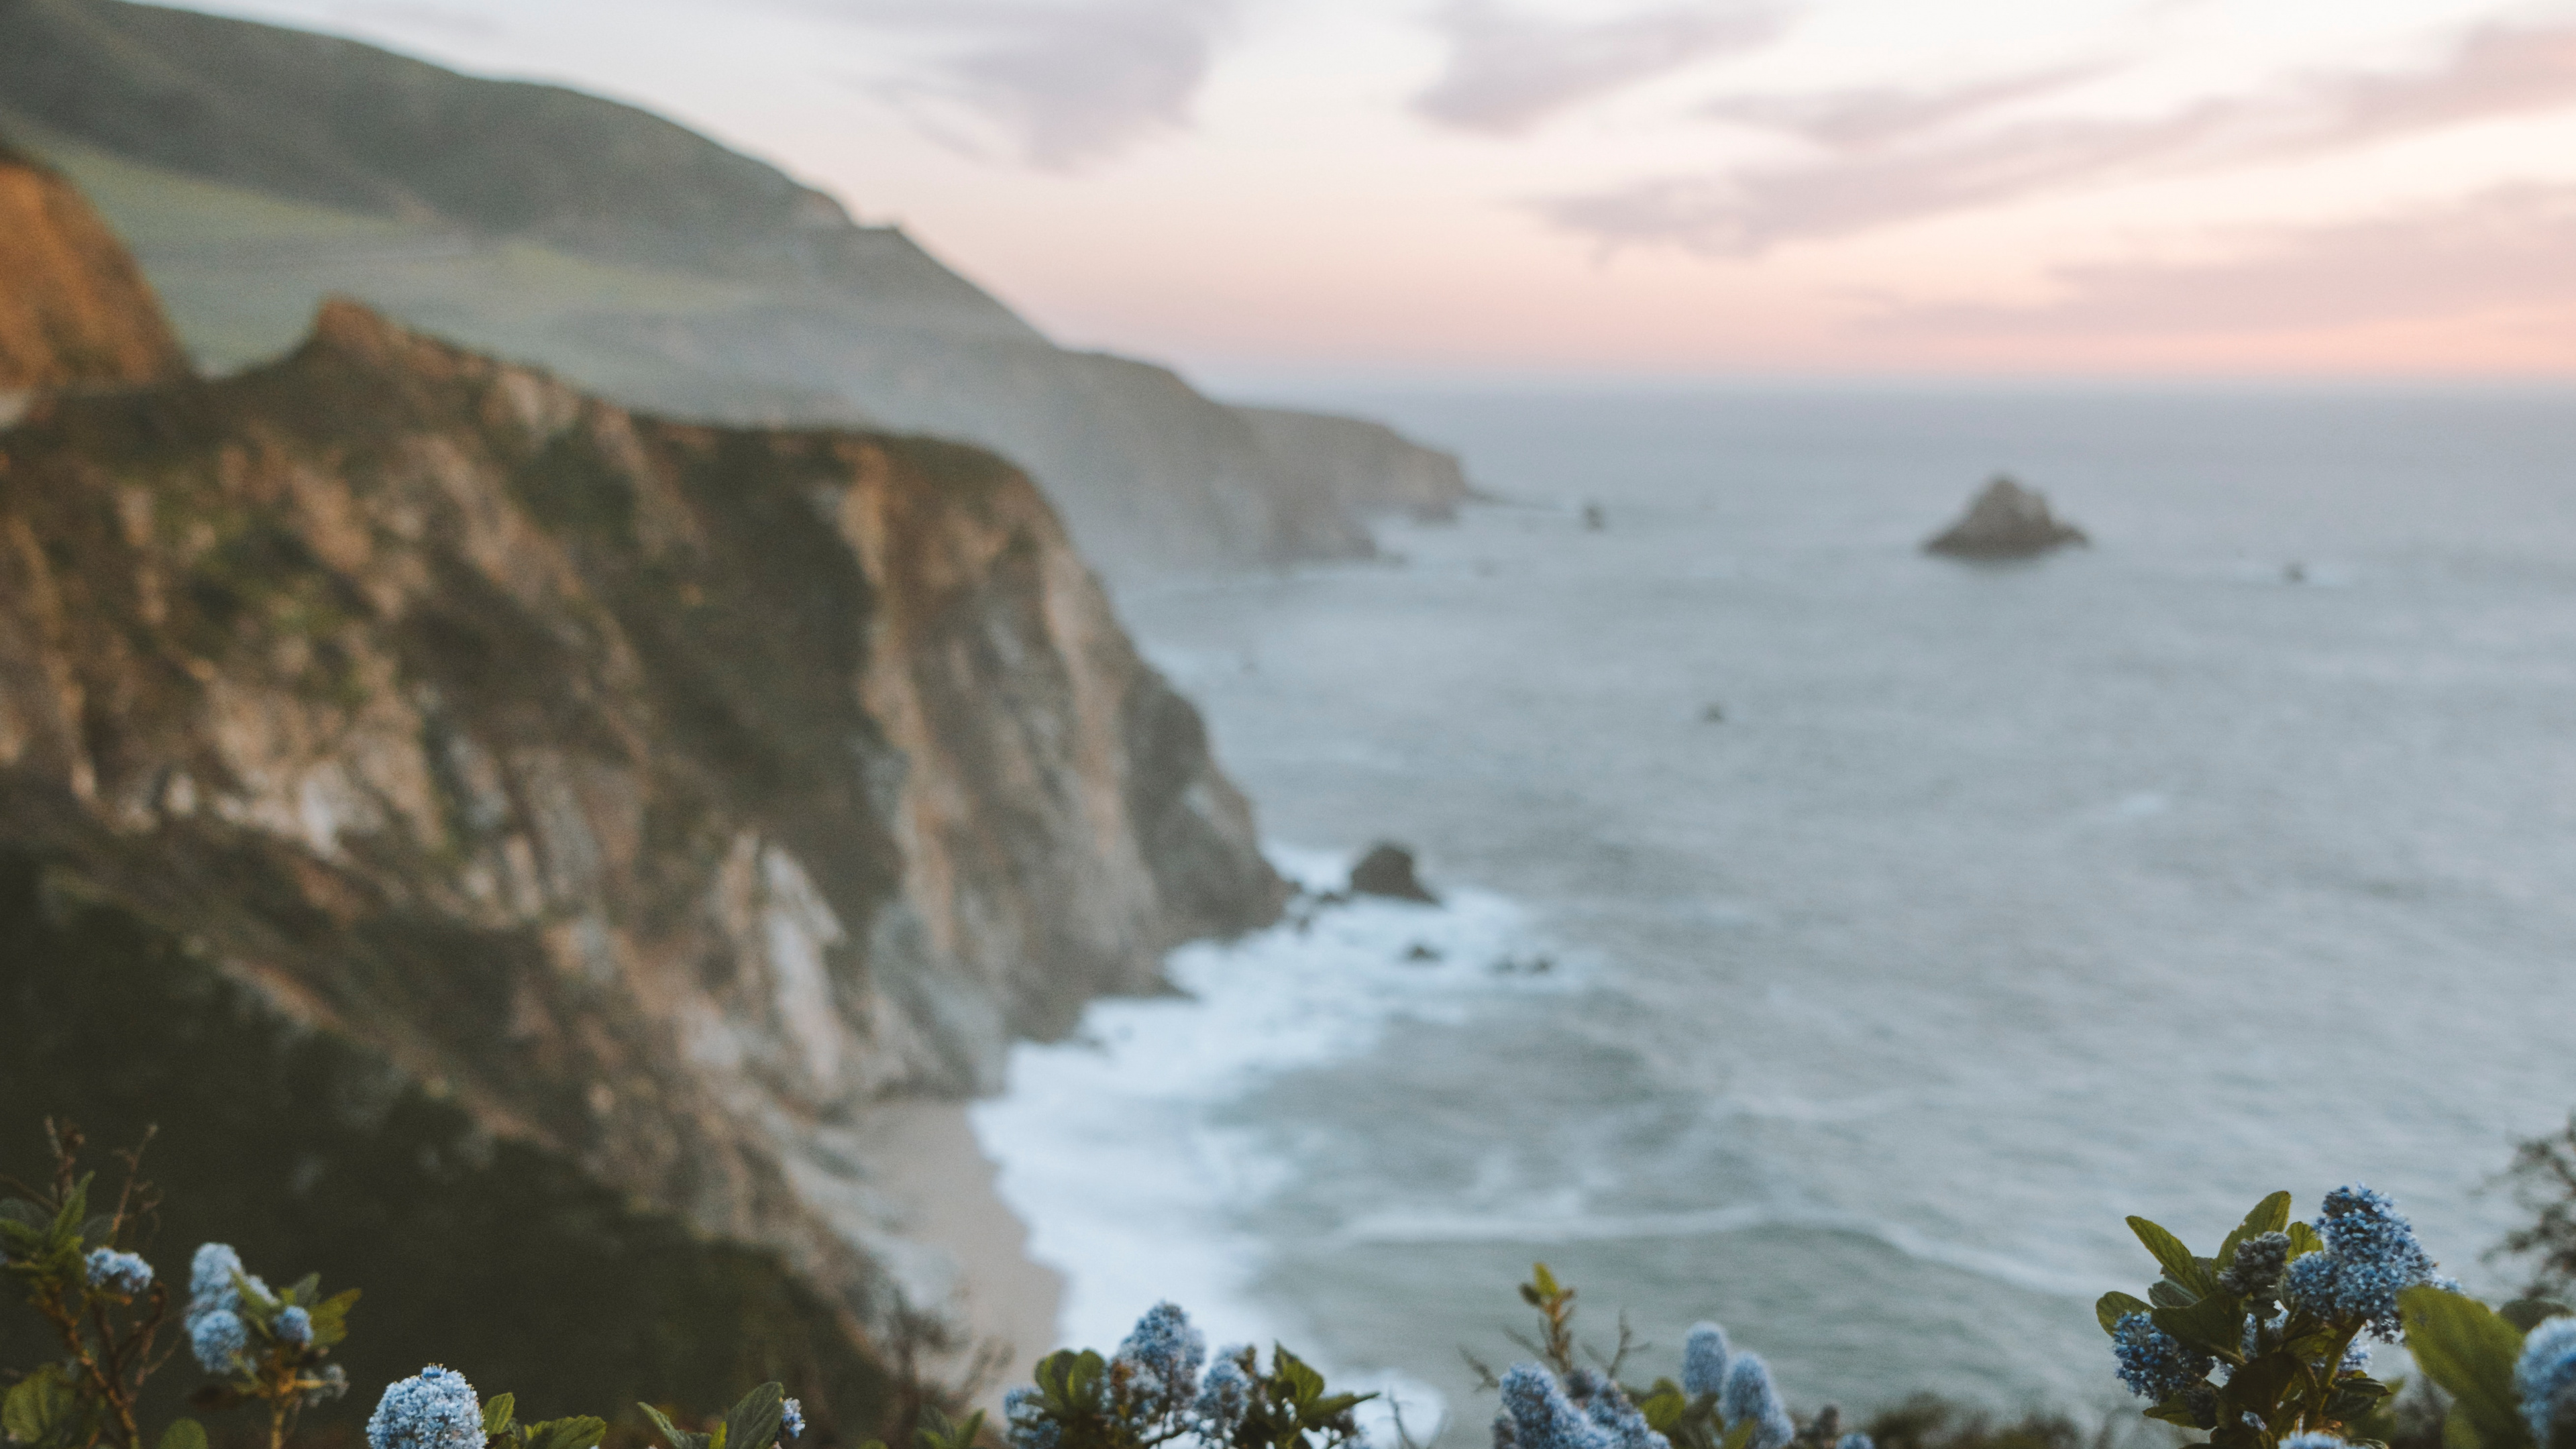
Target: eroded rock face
point(666, 794)
point(74, 309)
point(2007, 520)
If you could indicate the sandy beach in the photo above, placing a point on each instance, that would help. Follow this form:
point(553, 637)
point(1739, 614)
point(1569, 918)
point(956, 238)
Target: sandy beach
point(941, 1186)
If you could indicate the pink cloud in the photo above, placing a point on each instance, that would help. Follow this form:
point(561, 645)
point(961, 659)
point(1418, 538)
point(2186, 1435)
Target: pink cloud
point(1507, 71)
point(1871, 179)
point(2503, 252)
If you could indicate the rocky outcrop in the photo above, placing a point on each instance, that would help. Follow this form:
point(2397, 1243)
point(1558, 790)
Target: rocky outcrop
point(1388, 870)
point(74, 309)
point(636, 259)
point(2005, 521)
point(1359, 469)
point(657, 796)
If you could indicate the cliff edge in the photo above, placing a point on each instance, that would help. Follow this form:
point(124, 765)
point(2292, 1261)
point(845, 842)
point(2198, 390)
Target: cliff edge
point(654, 799)
point(618, 250)
point(74, 310)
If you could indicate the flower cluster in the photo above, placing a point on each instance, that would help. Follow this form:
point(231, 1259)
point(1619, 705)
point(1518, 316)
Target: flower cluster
point(2371, 1256)
point(1225, 1395)
point(124, 1274)
point(1162, 1355)
point(216, 1333)
point(2544, 1378)
point(2152, 1363)
point(2256, 1270)
point(1704, 1360)
point(1751, 1397)
point(434, 1409)
point(791, 1420)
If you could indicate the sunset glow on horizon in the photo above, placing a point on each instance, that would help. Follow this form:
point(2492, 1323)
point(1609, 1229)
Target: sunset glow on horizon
point(1491, 189)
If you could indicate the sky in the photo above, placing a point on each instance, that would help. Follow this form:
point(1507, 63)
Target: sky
point(1391, 190)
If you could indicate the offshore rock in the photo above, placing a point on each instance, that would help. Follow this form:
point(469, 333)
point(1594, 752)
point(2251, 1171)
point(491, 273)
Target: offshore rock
point(628, 808)
point(1387, 870)
point(2006, 521)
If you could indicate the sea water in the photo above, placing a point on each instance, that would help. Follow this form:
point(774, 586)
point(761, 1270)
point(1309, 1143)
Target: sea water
point(1839, 941)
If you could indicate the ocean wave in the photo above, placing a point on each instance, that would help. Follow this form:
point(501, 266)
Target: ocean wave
point(1542, 1229)
point(1111, 1148)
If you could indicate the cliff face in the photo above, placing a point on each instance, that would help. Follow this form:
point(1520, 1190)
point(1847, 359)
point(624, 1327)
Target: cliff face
point(74, 309)
point(660, 796)
point(621, 251)
point(1360, 468)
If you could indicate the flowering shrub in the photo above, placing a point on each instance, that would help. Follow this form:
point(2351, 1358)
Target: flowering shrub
point(2260, 1345)
point(2257, 1347)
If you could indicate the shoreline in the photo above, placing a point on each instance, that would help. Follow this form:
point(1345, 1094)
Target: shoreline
point(942, 1188)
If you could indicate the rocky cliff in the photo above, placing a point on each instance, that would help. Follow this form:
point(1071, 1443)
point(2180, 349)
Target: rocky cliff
point(633, 805)
point(622, 252)
point(1358, 468)
point(74, 310)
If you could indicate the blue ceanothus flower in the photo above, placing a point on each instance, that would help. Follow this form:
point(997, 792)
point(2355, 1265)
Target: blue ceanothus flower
point(217, 1337)
point(2370, 1257)
point(2545, 1376)
point(121, 1273)
point(1855, 1441)
point(1028, 1426)
point(1610, 1409)
point(1704, 1360)
point(434, 1409)
point(1163, 1355)
point(1750, 1395)
point(2314, 1441)
point(791, 1419)
point(1225, 1395)
point(293, 1327)
point(210, 1282)
point(1537, 1414)
point(2152, 1363)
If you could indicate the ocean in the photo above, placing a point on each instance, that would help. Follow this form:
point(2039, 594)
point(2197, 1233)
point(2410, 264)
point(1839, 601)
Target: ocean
point(1837, 941)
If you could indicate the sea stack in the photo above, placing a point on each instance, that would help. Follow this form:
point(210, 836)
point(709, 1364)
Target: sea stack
point(2006, 521)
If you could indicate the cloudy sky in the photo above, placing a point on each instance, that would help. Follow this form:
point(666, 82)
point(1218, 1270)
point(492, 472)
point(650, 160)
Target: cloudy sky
point(1631, 188)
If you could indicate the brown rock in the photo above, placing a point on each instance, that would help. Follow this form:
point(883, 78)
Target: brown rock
point(74, 309)
point(2006, 521)
point(668, 793)
point(1387, 870)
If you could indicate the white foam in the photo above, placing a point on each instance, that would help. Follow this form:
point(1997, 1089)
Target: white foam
point(1108, 1145)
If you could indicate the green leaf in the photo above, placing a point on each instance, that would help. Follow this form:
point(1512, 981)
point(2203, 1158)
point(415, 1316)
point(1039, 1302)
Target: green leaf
point(2270, 1215)
point(2528, 1313)
point(22, 1212)
point(678, 1437)
point(2303, 1241)
point(1543, 1280)
point(38, 1405)
point(2177, 1259)
point(1664, 1408)
point(2110, 1308)
point(183, 1434)
point(2166, 1293)
point(754, 1418)
point(1740, 1435)
point(2175, 1414)
point(576, 1433)
point(2460, 1430)
point(305, 1290)
point(2216, 1323)
point(498, 1412)
point(2470, 1352)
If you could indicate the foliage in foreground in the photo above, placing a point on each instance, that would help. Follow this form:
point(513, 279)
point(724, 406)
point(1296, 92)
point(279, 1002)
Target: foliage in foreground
point(2256, 1347)
point(2259, 1347)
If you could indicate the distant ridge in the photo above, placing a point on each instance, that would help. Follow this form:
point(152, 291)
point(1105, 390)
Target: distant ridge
point(255, 169)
